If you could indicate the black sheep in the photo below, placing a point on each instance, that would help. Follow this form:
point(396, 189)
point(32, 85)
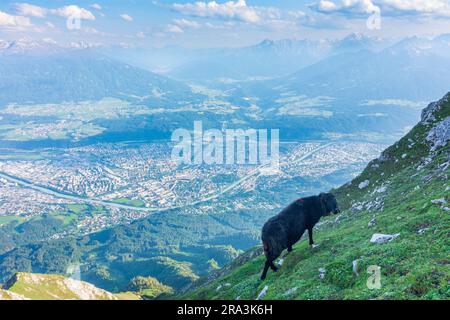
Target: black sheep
point(285, 229)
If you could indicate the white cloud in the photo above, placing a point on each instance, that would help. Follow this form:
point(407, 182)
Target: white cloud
point(346, 7)
point(179, 25)
point(433, 7)
point(96, 6)
point(327, 6)
point(184, 23)
point(126, 17)
point(438, 8)
point(14, 21)
point(172, 28)
point(50, 25)
point(236, 10)
point(140, 35)
point(29, 10)
point(73, 11)
point(297, 14)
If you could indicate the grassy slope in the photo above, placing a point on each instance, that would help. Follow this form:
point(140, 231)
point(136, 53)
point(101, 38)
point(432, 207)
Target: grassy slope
point(413, 266)
point(55, 287)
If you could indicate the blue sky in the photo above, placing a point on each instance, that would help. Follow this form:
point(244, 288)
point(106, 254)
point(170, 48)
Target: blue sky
point(217, 23)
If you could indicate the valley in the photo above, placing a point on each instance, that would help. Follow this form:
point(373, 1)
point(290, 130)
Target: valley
point(128, 181)
point(77, 194)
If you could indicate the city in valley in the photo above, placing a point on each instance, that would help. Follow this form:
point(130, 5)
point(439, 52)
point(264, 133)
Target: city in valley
point(94, 187)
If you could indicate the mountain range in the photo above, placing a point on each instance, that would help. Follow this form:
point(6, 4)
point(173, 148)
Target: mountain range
point(81, 75)
point(309, 89)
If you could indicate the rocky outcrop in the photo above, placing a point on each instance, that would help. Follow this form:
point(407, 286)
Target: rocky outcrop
point(439, 135)
point(428, 114)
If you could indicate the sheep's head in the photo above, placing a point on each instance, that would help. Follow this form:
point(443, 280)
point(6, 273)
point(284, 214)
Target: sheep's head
point(329, 203)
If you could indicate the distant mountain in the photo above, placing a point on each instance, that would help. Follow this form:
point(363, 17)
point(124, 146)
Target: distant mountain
point(413, 69)
point(426, 47)
point(268, 58)
point(39, 47)
point(79, 75)
point(356, 42)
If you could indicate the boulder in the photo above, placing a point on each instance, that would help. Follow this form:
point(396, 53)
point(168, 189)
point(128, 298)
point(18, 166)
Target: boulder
point(439, 201)
point(263, 293)
point(383, 238)
point(322, 272)
point(439, 135)
point(363, 184)
point(355, 266)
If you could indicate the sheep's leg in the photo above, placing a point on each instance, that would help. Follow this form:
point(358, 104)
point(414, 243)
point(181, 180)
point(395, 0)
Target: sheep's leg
point(266, 267)
point(273, 267)
point(310, 233)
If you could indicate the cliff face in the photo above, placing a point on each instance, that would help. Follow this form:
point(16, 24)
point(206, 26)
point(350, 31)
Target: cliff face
point(393, 228)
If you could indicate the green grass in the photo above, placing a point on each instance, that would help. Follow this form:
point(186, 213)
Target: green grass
point(66, 219)
point(130, 202)
point(77, 208)
point(8, 219)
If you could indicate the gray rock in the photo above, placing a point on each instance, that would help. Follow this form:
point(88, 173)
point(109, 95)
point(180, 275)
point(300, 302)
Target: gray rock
point(381, 189)
point(263, 293)
point(363, 184)
point(439, 135)
point(380, 238)
point(428, 113)
point(355, 266)
point(223, 286)
point(439, 201)
point(372, 223)
point(322, 272)
point(383, 157)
